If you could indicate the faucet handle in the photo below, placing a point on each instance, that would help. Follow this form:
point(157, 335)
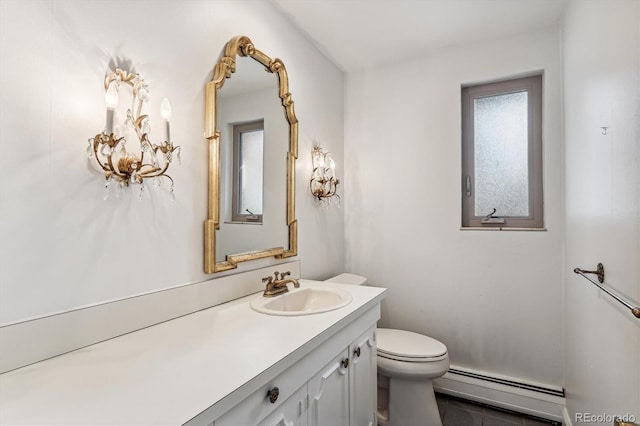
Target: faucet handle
point(267, 280)
point(284, 274)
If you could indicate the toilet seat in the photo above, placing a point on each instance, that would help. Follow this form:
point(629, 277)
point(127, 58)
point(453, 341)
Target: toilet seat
point(406, 346)
point(412, 360)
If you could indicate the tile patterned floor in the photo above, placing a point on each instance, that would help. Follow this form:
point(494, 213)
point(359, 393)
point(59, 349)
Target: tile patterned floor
point(458, 412)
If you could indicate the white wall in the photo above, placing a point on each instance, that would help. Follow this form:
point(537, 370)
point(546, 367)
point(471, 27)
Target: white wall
point(602, 88)
point(61, 245)
point(494, 298)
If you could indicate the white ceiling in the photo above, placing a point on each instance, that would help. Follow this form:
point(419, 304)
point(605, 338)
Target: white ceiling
point(359, 33)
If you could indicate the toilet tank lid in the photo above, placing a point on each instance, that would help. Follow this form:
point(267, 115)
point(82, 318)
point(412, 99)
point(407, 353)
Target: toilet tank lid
point(348, 279)
point(409, 344)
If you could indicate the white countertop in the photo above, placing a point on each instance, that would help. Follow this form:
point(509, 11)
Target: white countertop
point(171, 372)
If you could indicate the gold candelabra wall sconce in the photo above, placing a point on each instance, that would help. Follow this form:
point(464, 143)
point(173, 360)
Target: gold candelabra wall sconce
point(323, 183)
point(109, 147)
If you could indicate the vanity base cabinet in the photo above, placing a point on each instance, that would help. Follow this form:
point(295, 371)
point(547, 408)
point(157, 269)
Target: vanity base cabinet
point(332, 383)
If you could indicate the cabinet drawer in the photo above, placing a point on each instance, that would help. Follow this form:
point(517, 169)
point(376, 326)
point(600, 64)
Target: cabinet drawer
point(292, 412)
point(258, 405)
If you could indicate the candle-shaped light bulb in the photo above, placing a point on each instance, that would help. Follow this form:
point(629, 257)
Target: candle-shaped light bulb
point(318, 159)
point(165, 113)
point(111, 101)
point(165, 109)
point(329, 166)
point(328, 161)
point(111, 97)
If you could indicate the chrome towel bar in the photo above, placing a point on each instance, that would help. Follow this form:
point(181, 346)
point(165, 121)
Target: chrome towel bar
point(635, 310)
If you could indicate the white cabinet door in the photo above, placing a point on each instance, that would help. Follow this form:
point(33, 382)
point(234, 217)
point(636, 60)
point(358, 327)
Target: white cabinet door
point(292, 412)
point(363, 379)
point(329, 393)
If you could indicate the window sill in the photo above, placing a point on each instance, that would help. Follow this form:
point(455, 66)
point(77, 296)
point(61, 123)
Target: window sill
point(497, 228)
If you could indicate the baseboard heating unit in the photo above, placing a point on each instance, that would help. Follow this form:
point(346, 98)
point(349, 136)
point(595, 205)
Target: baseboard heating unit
point(534, 399)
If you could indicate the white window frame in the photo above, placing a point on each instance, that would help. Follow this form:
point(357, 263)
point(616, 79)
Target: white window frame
point(238, 131)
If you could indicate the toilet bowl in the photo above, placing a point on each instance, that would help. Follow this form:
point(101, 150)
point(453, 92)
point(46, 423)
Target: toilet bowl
point(407, 364)
point(410, 361)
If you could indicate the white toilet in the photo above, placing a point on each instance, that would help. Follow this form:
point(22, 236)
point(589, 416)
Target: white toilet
point(407, 363)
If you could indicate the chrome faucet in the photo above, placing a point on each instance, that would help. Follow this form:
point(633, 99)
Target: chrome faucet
point(278, 284)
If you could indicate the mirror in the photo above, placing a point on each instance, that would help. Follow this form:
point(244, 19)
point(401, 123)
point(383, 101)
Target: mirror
point(252, 131)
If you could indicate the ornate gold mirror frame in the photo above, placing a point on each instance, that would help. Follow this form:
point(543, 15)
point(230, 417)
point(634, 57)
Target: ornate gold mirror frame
point(226, 66)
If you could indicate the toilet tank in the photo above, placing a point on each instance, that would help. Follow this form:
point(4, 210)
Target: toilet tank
point(346, 278)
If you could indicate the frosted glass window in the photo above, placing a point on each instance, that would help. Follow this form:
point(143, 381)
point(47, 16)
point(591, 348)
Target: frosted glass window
point(501, 155)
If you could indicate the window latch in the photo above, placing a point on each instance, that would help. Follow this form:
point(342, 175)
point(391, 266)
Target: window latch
point(491, 218)
point(468, 186)
point(252, 217)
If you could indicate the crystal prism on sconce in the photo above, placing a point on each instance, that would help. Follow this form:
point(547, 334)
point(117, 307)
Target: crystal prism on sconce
point(323, 183)
point(109, 148)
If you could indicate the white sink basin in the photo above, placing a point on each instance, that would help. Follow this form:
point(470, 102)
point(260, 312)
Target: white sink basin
point(302, 301)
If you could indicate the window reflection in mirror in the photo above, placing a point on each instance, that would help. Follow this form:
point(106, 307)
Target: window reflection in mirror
point(248, 161)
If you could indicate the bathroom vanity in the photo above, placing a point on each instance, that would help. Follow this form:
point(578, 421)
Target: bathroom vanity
point(226, 365)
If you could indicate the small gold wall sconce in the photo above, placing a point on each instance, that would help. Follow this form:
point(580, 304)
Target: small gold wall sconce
point(109, 149)
point(323, 183)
